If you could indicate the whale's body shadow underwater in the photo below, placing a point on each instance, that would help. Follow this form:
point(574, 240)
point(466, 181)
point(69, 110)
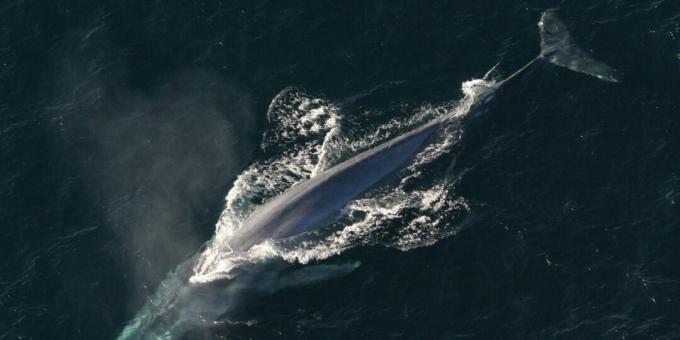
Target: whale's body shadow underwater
point(191, 297)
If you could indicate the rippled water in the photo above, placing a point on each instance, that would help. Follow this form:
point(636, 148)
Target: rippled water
point(125, 126)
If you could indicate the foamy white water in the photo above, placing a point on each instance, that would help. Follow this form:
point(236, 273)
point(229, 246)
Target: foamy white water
point(306, 129)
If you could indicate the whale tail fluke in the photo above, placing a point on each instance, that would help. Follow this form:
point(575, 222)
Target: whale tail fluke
point(558, 48)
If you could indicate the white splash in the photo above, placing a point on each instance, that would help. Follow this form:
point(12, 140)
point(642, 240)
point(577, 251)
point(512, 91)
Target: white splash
point(306, 128)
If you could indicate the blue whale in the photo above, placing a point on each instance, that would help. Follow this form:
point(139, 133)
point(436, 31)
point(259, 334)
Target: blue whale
point(179, 305)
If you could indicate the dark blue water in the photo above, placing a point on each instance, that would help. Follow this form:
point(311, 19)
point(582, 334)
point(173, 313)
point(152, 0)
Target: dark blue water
point(123, 126)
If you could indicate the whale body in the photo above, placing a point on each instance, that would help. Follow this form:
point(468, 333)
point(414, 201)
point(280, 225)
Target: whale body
point(313, 203)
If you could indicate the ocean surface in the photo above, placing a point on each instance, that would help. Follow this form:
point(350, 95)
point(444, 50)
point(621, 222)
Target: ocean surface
point(136, 136)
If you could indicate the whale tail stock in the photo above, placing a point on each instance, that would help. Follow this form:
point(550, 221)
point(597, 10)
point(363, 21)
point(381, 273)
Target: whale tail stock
point(558, 48)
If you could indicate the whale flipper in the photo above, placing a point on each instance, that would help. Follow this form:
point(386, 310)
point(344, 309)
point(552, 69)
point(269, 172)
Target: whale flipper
point(316, 273)
point(558, 48)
